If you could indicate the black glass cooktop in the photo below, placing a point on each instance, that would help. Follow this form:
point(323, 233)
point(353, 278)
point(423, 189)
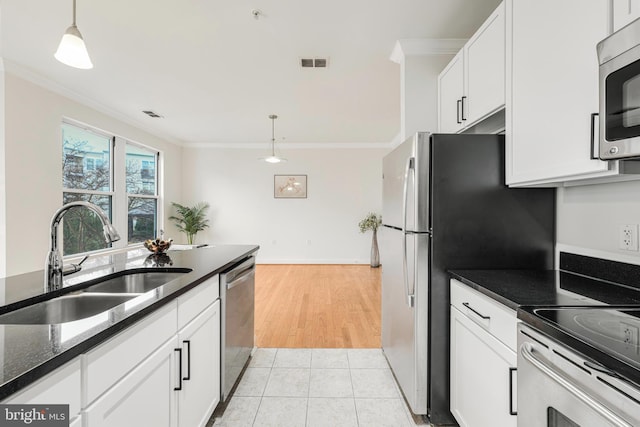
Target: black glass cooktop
point(613, 330)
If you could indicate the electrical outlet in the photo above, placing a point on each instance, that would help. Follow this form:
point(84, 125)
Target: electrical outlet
point(628, 237)
point(630, 336)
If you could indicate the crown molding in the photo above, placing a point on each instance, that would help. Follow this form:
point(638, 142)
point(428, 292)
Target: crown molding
point(410, 47)
point(288, 145)
point(31, 76)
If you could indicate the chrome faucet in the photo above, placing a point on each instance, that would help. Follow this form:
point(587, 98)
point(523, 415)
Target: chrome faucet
point(53, 269)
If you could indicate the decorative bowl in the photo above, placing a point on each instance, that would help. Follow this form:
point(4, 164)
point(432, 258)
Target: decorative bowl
point(157, 246)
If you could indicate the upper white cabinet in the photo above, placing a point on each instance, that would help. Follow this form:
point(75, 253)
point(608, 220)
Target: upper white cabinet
point(471, 87)
point(484, 63)
point(450, 95)
point(552, 91)
point(625, 11)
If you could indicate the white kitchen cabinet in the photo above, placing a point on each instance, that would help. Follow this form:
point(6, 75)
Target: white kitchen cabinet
point(484, 62)
point(482, 364)
point(200, 343)
point(145, 397)
point(76, 423)
point(61, 386)
point(552, 91)
point(472, 85)
point(450, 93)
point(153, 366)
point(625, 11)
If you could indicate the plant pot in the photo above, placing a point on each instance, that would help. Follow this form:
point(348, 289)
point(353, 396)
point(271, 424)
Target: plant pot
point(375, 253)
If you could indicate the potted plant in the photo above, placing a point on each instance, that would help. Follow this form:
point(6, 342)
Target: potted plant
point(190, 220)
point(371, 222)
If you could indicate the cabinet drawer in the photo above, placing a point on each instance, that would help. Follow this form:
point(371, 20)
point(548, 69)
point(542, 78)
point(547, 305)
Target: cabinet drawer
point(494, 317)
point(197, 299)
point(60, 387)
point(113, 359)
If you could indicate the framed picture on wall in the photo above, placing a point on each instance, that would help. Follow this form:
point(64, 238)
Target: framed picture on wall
point(290, 186)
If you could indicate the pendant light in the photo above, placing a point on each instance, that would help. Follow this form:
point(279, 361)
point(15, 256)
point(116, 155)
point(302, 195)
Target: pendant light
point(273, 158)
point(72, 50)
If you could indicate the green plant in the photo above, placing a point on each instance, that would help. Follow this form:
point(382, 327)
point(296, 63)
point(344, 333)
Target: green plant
point(190, 220)
point(371, 222)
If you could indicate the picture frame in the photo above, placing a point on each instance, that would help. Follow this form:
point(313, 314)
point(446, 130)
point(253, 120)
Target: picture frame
point(290, 186)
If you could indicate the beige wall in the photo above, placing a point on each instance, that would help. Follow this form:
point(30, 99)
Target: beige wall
point(33, 170)
point(343, 186)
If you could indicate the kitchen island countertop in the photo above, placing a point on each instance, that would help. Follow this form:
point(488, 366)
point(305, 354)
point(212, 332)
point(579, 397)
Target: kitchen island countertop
point(32, 351)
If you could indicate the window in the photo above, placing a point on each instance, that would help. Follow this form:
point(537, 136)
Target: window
point(126, 190)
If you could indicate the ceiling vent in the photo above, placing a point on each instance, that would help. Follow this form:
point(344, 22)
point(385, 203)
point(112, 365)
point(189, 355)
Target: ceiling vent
point(152, 114)
point(314, 62)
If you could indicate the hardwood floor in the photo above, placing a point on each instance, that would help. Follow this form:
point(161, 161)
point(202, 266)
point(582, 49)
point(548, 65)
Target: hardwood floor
point(317, 306)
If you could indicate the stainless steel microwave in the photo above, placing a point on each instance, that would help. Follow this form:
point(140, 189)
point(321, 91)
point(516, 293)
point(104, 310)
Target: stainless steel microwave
point(619, 59)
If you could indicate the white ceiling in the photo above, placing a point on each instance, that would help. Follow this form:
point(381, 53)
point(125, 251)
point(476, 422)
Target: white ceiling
point(215, 73)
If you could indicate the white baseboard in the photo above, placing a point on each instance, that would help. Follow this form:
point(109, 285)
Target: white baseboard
point(260, 260)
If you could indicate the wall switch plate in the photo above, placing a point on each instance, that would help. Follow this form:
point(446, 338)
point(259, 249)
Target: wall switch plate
point(628, 239)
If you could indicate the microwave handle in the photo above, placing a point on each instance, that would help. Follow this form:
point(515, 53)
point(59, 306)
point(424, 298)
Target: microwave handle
point(594, 116)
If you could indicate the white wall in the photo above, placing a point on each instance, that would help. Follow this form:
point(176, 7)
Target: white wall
point(590, 216)
point(419, 93)
point(3, 189)
point(343, 186)
point(33, 169)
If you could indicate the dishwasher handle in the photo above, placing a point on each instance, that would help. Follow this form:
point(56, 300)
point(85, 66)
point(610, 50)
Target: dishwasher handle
point(246, 276)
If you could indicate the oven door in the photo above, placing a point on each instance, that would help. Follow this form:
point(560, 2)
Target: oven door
point(620, 106)
point(555, 390)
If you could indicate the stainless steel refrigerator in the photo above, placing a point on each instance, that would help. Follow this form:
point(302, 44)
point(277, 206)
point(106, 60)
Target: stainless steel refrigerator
point(445, 206)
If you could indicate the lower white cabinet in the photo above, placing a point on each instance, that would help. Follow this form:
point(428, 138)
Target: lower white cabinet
point(483, 368)
point(76, 423)
point(145, 397)
point(199, 341)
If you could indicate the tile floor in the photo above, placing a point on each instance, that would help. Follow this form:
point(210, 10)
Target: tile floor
point(316, 387)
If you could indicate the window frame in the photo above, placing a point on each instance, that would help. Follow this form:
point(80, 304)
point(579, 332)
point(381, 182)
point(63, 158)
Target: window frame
point(118, 188)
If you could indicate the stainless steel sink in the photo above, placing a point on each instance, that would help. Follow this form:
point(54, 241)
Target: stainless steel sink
point(66, 308)
point(134, 283)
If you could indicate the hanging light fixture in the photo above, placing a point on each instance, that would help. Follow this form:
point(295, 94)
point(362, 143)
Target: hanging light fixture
point(273, 158)
point(72, 50)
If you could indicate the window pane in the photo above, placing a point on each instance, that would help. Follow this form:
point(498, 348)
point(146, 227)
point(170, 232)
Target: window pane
point(143, 214)
point(141, 170)
point(86, 159)
point(81, 227)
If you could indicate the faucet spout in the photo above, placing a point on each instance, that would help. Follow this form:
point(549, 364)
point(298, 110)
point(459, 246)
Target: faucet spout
point(54, 267)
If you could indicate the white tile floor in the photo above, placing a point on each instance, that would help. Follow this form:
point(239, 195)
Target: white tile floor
point(315, 388)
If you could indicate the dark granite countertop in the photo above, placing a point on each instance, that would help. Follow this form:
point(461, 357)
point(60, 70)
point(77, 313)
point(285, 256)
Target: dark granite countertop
point(515, 288)
point(32, 351)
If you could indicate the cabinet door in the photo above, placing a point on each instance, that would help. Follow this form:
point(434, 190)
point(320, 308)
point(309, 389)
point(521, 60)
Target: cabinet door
point(145, 397)
point(450, 92)
point(552, 89)
point(484, 62)
point(625, 11)
point(483, 380)
point(200, 394)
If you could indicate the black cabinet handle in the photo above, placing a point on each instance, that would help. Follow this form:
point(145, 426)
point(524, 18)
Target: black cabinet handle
point(466, 304)
point(179, 350)
point(458, 111)
point(188, 343)
point(593, 135)
point(511, 411)
point(463, 117)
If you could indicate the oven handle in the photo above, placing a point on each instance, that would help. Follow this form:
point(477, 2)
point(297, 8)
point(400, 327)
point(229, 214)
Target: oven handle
point(527, 350)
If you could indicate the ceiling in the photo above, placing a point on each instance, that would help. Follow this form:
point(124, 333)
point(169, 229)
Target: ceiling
point(215, 73)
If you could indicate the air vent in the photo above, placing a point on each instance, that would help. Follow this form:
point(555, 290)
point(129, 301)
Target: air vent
point(314, 62)
point(152, 114)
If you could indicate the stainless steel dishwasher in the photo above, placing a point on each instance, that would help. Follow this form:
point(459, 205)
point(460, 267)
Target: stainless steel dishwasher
point(237, 290)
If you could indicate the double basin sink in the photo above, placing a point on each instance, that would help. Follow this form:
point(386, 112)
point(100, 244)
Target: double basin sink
point(91, 299)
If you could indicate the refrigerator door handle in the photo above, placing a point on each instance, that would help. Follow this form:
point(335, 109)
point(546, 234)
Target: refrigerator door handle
point(409, 169)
